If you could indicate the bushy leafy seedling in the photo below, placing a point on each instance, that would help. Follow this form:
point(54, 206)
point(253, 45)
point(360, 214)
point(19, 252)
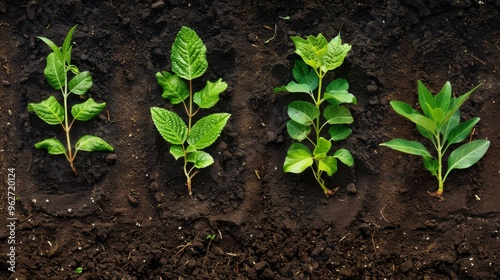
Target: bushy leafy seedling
point(319, 56)
point(440, 123)
point(57, 72)
point(187, 141)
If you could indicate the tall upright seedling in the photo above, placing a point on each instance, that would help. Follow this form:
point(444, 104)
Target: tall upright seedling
point(57, 72)
point(319, 56)
point(187, 140)
point(440, 123)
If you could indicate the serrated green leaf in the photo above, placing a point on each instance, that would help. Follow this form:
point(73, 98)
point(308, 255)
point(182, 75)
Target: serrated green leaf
point(52, 145)
point(87, 110)
point(328, 164)
point(311, 50)
point(298, 158)
point(206, 130)
point(467, 155)
point(461, 131)
point(339, 132)
point(337, 114)
point(49, 110)
point(305, 75)
point(188, 55)
point(303, 112)
point(174, 88)
point(344, 156)
point(297, 131)
point(54, 72)
point(91, 143)
point(170, 126)
point(431, 164)
point(335, 55)
point(407, 146)
point(408, 112)
point(176, 151)
point(323, 146)
point(200, 159)
point(209, 95)
point(80, 83)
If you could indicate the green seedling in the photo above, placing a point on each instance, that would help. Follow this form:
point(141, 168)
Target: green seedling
point(189, 62)
point(440, 123)
point(79, 270)
point(57, 72)
point(319, 57)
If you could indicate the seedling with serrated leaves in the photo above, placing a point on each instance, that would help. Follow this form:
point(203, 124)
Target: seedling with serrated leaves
point(440, 123)
point(189, 62)
point(319, 56)
point(57, 72)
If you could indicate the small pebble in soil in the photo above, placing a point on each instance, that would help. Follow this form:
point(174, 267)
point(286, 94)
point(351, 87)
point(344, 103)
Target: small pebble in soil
point(111, 158)
point(351, 188)
point(132, 200)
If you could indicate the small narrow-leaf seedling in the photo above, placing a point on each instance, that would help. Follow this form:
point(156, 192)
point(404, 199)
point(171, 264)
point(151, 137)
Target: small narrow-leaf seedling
point(57, 72)
point(319, 56)
point(440, 123)
point(189, 62)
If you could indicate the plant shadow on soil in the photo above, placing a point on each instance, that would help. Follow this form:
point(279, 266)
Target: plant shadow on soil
point(127, 215)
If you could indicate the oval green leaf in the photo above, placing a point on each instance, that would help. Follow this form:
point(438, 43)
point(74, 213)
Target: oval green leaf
point(80, 83)
point(49, 110)
point(303, 112)
point(298, 158)
point(91, 143)
point(328, 164)
point(467, 155)
point(52, 145)
point(344, 156)
point(170, 126)
point(87, 110)
point(188, 55)
point(176, 151)
point(206, 130)
point(54, 71)
point(174, 88)
point(337, 114)
point(461, 131)
point(297, 131)
point(339, 132)
point(407, 146)
point(323, 146)
point(200, 159)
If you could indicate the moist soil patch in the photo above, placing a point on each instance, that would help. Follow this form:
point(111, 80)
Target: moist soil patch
point(127, 215)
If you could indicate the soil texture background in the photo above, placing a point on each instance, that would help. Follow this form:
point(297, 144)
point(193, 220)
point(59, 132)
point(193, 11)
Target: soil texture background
point(128, 215)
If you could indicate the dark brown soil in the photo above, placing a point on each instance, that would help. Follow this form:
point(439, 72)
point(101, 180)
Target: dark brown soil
point(131, 218)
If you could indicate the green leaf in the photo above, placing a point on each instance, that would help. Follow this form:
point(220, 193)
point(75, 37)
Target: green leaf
point(457, 102)
point(200, 159)
point(303, 112)
point(311, 50)
point(443, 98)
point(335, 54)
point(176, 151)
point(209, 95)
point(67, 47)
point(449, 125)
point(294, 87)
point(297, 131)
point(55, 49)
point(52, 145)
point(171, 127)
point(431, 164)
point(406, 146)
point(298, 158)
point(206, 130)
point(408, 112)
point(305, 75)
point(461, 131)
point(174, 88)
point(328, 164)
point(323, 146)
point(425, 98)
point(344, 156)
point(426, 133)
point(436, 115)
point(49, 110)
point(337, 114)
point(338, 90)
point(87, 110)
point(339, 132)
point(467, 155)
point(54, 72)
point(188, 55)
point(91, 143)
point(80, 83)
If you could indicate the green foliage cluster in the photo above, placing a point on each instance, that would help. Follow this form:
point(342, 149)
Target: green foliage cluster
point(187, 141)
point(440, 123)
point(57, 72)
point(309, 119)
